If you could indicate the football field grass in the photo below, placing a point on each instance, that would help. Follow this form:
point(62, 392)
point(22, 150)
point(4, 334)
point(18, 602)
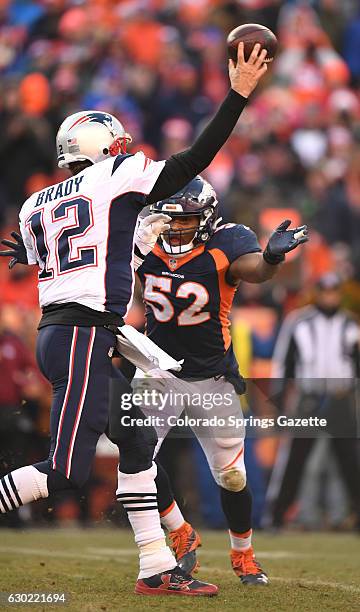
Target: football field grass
point(97, 569)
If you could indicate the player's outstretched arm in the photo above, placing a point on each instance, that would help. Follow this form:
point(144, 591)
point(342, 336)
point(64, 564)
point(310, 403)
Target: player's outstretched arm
point(259, 267)
point(182, 167)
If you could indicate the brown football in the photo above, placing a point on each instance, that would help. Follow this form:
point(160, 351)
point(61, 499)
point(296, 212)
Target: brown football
point(250, 34)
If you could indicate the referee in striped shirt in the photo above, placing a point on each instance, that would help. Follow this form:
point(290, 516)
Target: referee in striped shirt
point(319, 347)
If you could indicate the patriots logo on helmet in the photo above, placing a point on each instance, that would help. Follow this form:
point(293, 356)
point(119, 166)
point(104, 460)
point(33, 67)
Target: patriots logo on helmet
point(105, 120)
point(96, 117)
point(101, 118)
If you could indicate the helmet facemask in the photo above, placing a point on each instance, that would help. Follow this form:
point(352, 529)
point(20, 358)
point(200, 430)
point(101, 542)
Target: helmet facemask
point(196, 199)
point(200, 233)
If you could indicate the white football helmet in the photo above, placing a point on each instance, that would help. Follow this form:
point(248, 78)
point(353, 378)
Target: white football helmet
point(90, 135)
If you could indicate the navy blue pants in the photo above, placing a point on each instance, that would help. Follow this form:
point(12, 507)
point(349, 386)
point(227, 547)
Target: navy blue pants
point(76, 362)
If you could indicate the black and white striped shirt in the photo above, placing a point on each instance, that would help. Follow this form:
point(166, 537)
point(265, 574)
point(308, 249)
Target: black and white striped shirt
point(320, 351)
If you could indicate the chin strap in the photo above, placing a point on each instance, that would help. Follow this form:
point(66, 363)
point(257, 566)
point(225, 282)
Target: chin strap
point(120, 145)
point(172, 250)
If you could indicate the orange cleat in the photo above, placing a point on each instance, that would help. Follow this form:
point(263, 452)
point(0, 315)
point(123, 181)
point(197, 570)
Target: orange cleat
point(247, 568)
point(184, 542)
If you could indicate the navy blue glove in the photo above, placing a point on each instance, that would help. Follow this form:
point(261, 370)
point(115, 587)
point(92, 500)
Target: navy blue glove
point(282, 241)
point(18, 250)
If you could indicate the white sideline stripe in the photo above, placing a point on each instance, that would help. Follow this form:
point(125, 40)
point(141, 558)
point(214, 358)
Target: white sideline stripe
point(279, 554)
point(209, 552)
point(268, 554)
point(95, 551)
point(273, 554)
point(59, 553)
point(296, 581)
point(113, 552)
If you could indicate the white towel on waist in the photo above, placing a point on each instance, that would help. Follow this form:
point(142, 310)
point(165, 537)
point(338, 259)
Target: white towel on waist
point(143, 352)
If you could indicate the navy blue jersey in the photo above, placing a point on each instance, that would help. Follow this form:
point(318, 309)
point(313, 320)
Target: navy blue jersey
point(188, 301)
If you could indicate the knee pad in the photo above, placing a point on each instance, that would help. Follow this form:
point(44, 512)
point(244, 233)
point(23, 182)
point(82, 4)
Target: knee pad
point(230, 454)
point(232, 479)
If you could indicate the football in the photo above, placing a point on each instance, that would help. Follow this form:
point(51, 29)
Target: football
point(250, 34)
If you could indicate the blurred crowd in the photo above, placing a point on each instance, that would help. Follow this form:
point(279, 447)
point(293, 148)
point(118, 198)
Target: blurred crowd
point(160, 66)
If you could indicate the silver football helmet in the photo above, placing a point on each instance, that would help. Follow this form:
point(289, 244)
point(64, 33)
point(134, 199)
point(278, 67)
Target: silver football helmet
point(90, 135)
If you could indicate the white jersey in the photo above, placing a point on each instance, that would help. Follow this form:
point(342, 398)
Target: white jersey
point(81, 232)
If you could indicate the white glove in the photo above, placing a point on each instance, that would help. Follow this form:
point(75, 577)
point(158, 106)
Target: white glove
point(149, 230)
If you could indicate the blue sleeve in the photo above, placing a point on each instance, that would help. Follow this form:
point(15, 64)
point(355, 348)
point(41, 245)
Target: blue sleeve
point(236, 240)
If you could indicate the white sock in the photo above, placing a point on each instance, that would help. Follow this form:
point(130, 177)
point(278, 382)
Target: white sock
point(138, 494)
point(240, 541)
point(22, 486)
point(172, 517)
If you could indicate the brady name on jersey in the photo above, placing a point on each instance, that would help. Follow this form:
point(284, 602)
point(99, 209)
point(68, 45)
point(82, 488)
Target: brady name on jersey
point(85, 226)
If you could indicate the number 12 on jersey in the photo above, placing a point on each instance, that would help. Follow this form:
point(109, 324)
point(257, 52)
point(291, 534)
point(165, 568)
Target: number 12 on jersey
point(155, 291)
point(73, 226)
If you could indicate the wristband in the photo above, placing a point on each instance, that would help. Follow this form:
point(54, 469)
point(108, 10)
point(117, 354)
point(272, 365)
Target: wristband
point(273, 259)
